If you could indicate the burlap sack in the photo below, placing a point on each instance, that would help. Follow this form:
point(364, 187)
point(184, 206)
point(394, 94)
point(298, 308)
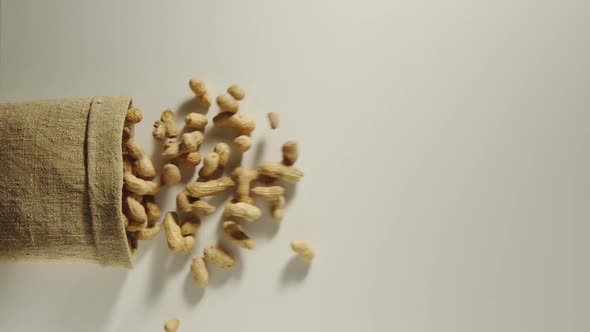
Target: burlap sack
point(61, 179)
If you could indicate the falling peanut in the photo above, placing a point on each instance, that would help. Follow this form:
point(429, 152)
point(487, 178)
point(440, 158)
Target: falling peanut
point(267, 180)
point(135, 211)
point(238, 121)
point(236, 91)
point(243, 143)
point(274, 195)
point(124, 220)
point(290, 153)
point(199, 272)
point(270, 194)
point(139, 186)
point(189, 243)
point(245, 177)
point(183, 202)
point(273, 119)
point(209, 188)
point(190, 142)
point(151, 209)
point(126, 134)
point(242, 210)
point(171, 325)
point(141, 213)
point(281, 172)
point(168, 119)
point(132, 240)
point(173, 233)
point(190, 227)
point(134, 226)
point(303, 249)
point(237, 235)
point(127, 164)
point(210, 165)
point(202, 208)
point(201, 93)
point(276, 209)
point(196, 121)
point(227, 103)
point(159, 131)
point(172, 150)
point(192, 159)
point(222, 149)
point(149, 233)
point(143, 165)
point(176, 242)
point(170, 175)
point(214, 255)
point(134, 115)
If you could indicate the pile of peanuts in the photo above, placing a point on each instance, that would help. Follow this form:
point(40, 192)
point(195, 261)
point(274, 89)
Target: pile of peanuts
point(141, 213)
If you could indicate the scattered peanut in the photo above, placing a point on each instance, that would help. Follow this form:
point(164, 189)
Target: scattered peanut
point(214, 255)
point(242, 210)
point(151, 209)
point(199, 272)
point(209, 188)
point(196, 121)
point(273, 119)
point(200, 89)
point(127, 164)
point(134, 115)
point(227, 103)
point(170, 175)
point(141, 212)
point(189, 243)
point(237, 235)
point(139, 186)
point(183, 203)
point(198, 86)
point(238, 121)
point(236, 91)
point(135, 211)
point(276, 209)
point(202, 208)
point(210, 165)
point(190, 142)
point(190, 227)
point(126, 134)
point(168, 119)
point(270, 194)
point(132, 238)
point(149, 233)
point(303, 249)
point(222, 149)
point(124, 220)
point(243, 143)
point(290, 153)
point(281, 172)
point(176, 242)
point(192, 159)
point(134, 226)
point(172, 325)
point(172, 150)
point(159, 131)
point(143, 165)
point(245, 177)
point(266, 180)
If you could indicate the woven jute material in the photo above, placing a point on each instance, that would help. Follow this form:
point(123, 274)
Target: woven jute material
point(61, 181)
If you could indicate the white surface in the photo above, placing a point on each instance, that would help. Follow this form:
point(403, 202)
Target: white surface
point(445, 147)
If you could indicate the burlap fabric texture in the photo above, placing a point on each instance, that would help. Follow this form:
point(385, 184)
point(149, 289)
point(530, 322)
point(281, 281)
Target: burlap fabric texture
point(61, 181)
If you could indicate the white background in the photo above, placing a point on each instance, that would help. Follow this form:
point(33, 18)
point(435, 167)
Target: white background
point(445, 146)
